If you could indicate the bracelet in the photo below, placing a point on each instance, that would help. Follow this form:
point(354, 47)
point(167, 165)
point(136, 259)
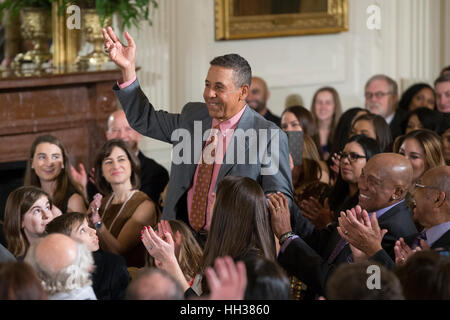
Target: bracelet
point(285, 236)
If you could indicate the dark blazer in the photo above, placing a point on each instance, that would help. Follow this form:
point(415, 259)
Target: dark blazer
point(388, 261)
point(271, 117)
point(110, 277)
point(396, 124)
point(306, 258)
point(154, 177)
point(190, 126)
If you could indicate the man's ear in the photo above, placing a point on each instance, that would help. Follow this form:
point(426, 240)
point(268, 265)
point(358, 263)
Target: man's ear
point(398, 193)
point(244, 90)
point(439, 199)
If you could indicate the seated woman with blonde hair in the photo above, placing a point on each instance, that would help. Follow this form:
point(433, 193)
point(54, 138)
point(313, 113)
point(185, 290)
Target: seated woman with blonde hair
point(120, 216)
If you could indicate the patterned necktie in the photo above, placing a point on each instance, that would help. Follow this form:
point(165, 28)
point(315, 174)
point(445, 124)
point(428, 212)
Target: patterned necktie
point(197, 218)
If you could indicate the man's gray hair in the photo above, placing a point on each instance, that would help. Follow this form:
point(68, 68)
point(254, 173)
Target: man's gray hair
point(75, 276)
point(393, 88)
point(240, 66)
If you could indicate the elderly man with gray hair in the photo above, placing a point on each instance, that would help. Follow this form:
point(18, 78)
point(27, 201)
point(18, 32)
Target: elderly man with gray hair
point(64, 267)
point(381, 93)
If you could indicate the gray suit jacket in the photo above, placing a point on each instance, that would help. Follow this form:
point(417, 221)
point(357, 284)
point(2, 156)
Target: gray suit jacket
point(185, 132)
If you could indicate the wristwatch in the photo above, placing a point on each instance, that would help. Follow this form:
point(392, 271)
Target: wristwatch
point(98, 225)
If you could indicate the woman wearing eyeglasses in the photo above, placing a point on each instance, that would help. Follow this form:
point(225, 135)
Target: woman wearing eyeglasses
point(344, 194)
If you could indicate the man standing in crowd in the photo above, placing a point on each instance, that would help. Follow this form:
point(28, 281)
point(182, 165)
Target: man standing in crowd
point(197, 164)
point(257, 100)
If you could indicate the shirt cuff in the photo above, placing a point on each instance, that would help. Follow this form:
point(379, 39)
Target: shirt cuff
point(286, 243)
point(126, 84)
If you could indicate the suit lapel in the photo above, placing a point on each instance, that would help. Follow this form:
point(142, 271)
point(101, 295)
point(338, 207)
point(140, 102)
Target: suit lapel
point(442, 242)
point(196, 131)
point(245, 123)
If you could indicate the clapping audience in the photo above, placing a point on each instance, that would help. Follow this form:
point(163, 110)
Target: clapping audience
point(356, 207)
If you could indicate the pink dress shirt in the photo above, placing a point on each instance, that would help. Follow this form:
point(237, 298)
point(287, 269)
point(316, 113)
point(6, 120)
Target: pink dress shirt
point(226, 129)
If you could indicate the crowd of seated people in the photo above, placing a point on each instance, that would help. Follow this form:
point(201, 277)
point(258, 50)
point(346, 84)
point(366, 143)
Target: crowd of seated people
point(372, 192)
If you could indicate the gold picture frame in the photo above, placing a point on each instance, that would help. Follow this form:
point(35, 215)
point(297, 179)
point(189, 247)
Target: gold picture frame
point(259, 21)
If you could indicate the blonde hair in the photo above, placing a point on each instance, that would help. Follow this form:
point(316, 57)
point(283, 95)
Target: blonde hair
point(430, 143)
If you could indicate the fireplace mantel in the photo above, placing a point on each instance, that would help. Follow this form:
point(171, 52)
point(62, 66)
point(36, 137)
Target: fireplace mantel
point(71, 106)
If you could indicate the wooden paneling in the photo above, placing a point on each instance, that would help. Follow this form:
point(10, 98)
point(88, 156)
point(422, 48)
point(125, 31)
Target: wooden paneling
point(72, 107)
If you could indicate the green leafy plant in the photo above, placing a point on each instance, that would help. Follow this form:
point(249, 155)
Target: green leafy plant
point(15, 6)
point(131, 12)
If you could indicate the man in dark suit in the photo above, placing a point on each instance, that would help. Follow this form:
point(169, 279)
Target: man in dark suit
point(381, 93)
point(154, 177)
point(432, 211)
point(313, 256)
point(203, 129)
point(257, 100)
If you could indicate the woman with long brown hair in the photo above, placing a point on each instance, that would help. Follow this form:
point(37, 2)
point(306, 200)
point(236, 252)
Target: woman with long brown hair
point(240, 228)
point(326, 110)
point(49, 168)
point(27, 212)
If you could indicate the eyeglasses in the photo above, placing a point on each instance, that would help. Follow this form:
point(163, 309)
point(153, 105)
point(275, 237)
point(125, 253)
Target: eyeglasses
point(352, 156)
point(418, 185)
point(378, 94)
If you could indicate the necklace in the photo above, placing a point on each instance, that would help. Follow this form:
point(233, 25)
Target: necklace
point(121, 208)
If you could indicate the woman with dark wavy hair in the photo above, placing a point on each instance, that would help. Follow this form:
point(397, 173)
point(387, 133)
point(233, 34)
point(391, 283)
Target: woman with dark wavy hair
point(416, 96)
point(373, 126)
point(344, 194)
point(422, 118)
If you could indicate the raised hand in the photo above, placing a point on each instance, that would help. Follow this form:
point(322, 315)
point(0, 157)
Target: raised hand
point(336, 159)
point(79, 176)
point(319, 215)
point(164, 253)
point(279, 214)
point(163, 228)
point(228, 281)
point(123, 56)
point(94, 206)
